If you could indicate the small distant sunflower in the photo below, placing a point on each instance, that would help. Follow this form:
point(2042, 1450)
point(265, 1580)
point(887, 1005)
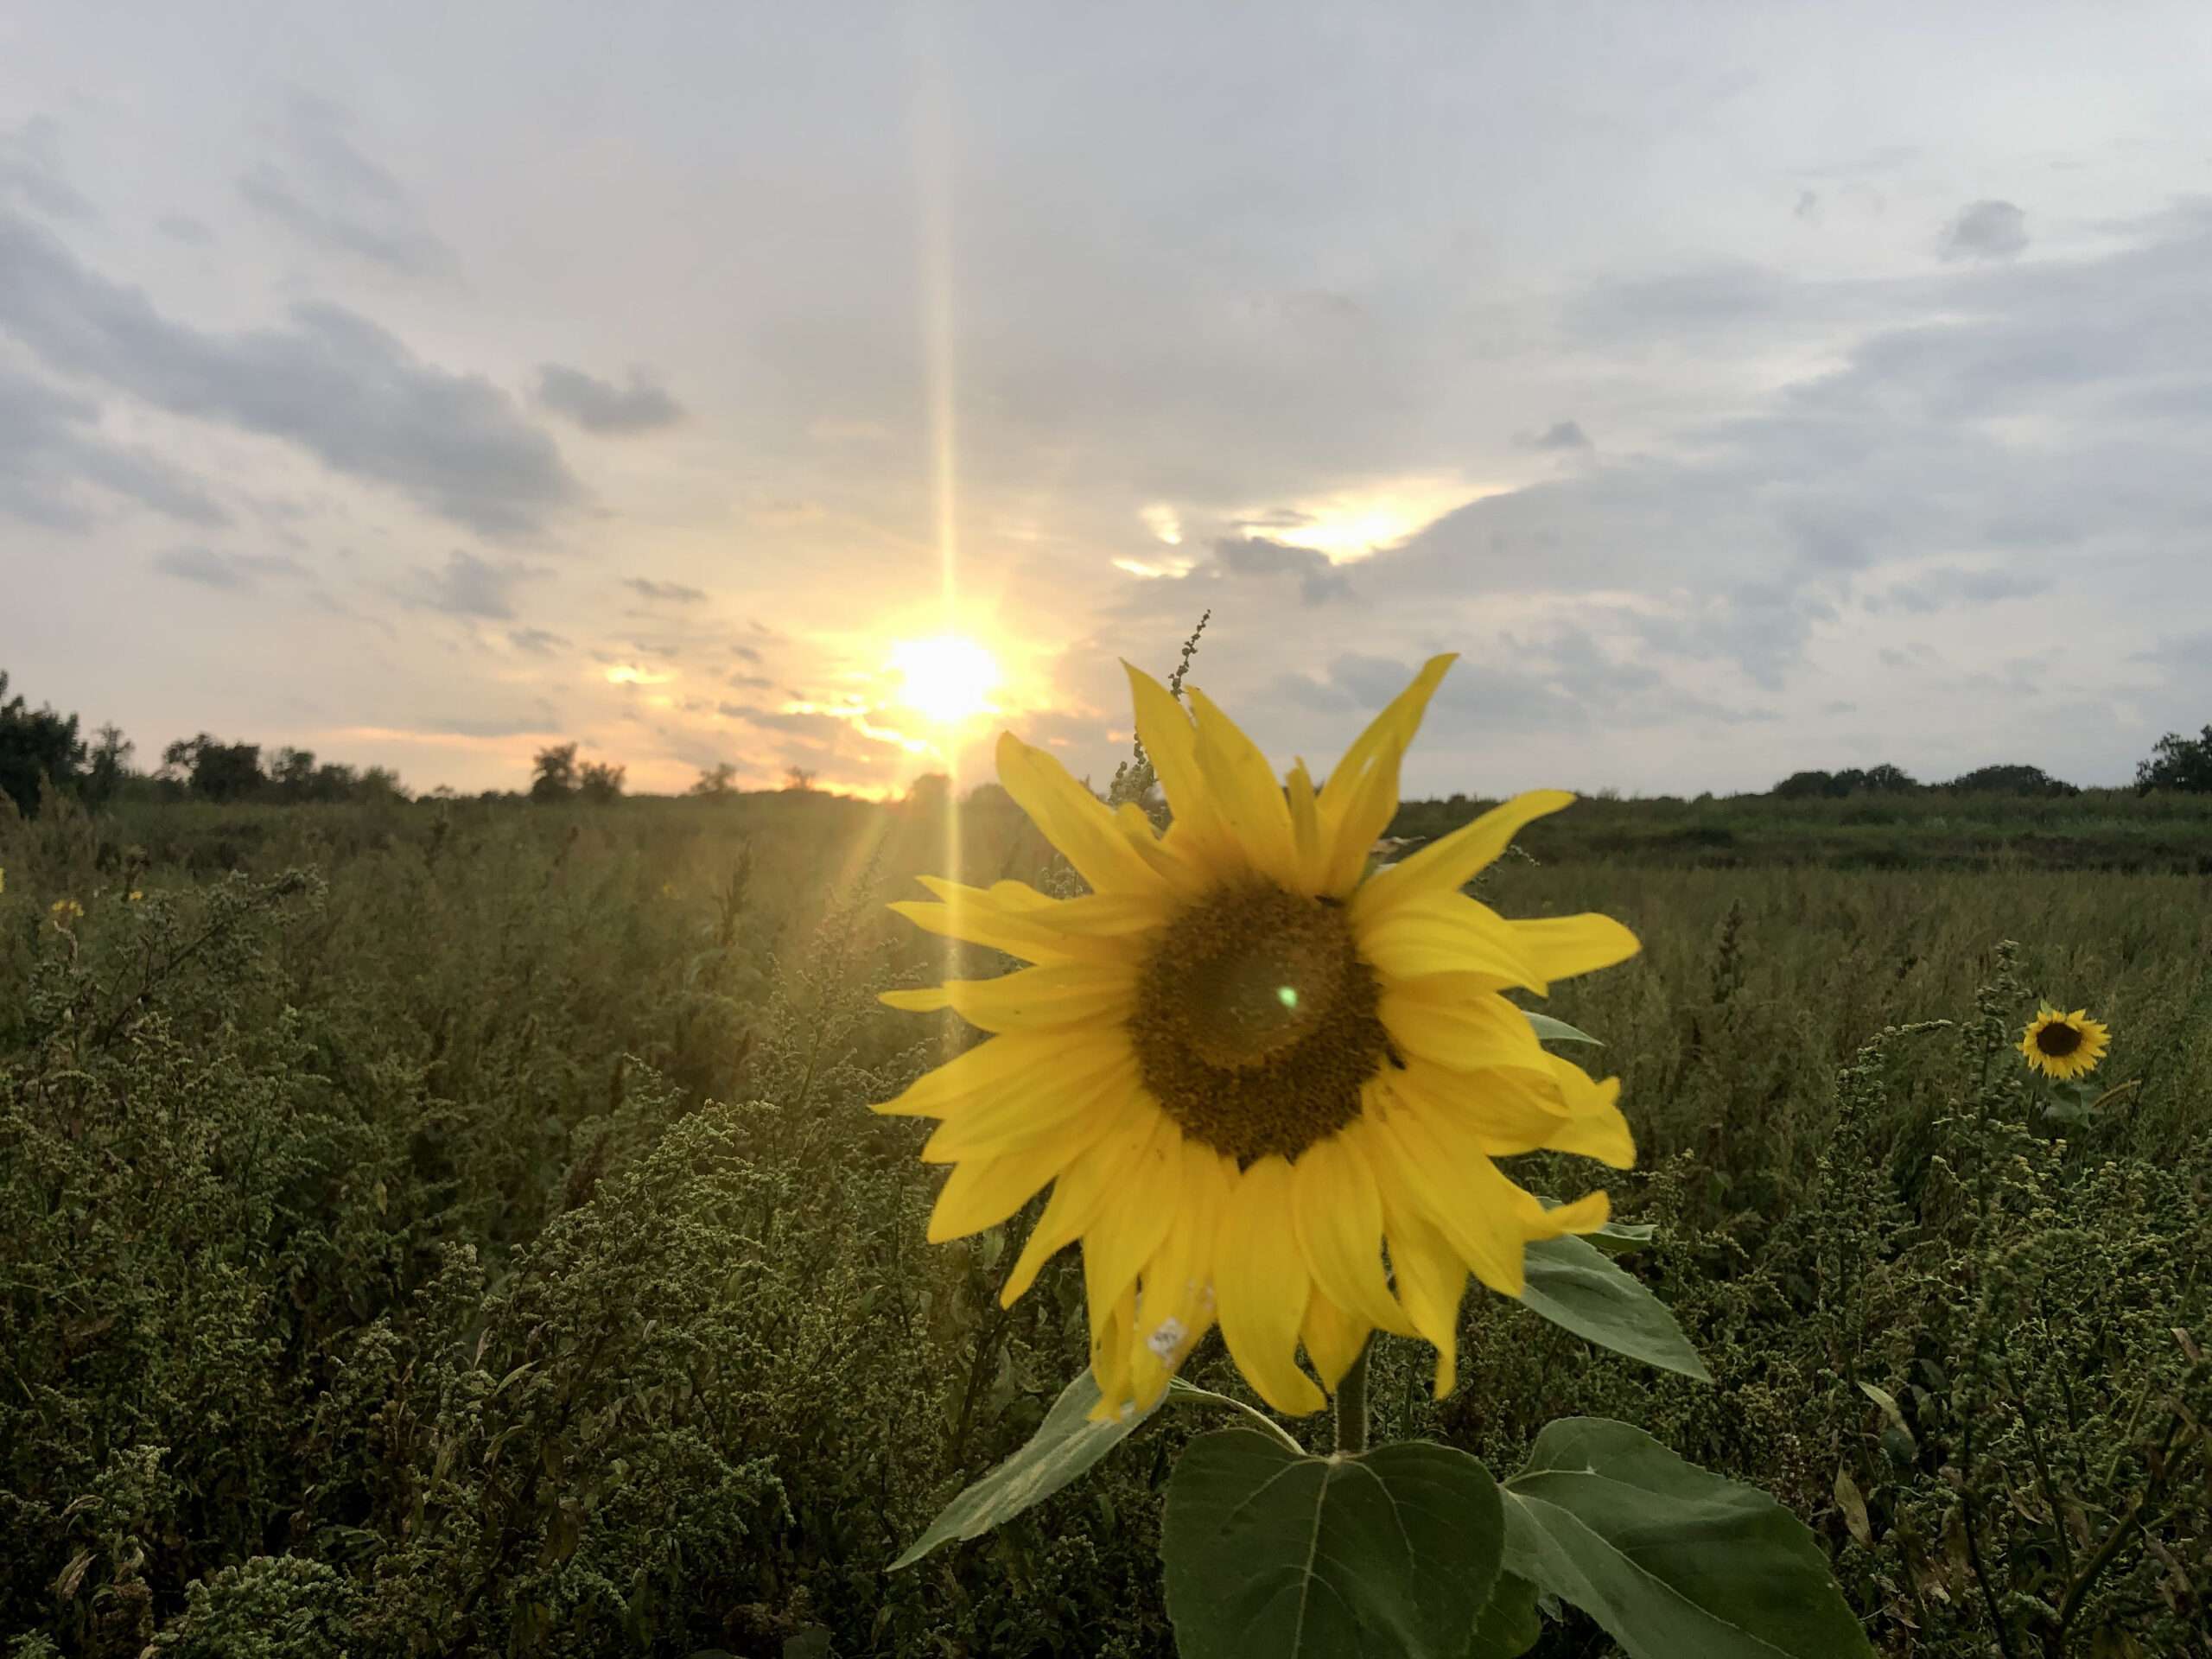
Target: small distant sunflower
point(1249, 1066)
point(2064, 1044)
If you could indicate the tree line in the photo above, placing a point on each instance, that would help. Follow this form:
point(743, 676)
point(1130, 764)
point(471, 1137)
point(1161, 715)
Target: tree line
point(43, 749)
point(2175, 762)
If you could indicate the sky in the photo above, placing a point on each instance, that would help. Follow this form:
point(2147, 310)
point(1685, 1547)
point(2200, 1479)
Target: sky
point(1738, 388)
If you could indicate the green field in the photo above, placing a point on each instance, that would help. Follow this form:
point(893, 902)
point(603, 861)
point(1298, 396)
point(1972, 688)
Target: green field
point(453, 1228)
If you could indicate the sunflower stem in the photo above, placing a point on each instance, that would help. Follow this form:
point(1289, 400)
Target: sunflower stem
point(1351, 1405)
point(1181, 1392)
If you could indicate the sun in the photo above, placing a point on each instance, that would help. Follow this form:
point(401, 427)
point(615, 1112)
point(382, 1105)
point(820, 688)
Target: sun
point(947, 679)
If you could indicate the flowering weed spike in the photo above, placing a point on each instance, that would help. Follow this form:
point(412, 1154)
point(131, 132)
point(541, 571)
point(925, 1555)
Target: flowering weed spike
point(1248, 1065)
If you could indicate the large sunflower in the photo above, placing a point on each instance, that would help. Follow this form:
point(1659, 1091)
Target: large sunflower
point(2064, 1044)
point(1249, 1067)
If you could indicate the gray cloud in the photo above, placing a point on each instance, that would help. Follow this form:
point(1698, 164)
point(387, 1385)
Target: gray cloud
point(330, 195)
point(1984, 230)
point(51, 449)
point(469, 587)
point(182, 227)
point(1318, 581)
point(232, 571)
point(1948, 586)
point(31, 174)
point(603, 407)
point(1562, 435)
point(537, 641)
point(669, 592)
point(332, 382)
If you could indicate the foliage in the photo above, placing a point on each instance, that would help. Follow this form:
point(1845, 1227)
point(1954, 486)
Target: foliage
point(553, 772)
point(1884, 780)
point(2010, 780)
point(443, 1227)
point(2178, 763)
point(600, 782)
point(38, 747)
point(715, 783)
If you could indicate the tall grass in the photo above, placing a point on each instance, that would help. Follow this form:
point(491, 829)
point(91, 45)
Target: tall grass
point(459, 1228)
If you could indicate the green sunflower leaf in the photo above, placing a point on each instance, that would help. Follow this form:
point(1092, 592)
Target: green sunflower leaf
point(1573, 1284)
point(1510, 1625)
point(1273, 1555)
point(1670, 1559)
point(1065, 1444)
point(1556, 1030)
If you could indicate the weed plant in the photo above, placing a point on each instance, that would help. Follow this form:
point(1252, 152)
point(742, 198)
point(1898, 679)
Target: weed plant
point(459, 1228)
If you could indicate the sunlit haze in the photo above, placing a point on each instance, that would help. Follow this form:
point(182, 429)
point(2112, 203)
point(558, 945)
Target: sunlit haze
point(946, 679)
point(426, 386)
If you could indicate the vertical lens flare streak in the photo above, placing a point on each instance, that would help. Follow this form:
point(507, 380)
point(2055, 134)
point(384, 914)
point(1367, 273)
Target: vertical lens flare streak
point(931, 139)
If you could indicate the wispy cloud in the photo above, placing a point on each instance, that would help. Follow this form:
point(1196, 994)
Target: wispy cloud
point(331, 381)
point(602, 407)
point(232, 571)
point(323, 189)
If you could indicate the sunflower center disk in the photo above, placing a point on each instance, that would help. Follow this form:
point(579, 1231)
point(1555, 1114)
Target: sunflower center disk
point(2057, 1040)
point(1256, 1021)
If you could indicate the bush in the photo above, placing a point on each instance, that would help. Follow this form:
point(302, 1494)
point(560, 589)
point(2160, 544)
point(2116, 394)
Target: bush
point(2178, 763)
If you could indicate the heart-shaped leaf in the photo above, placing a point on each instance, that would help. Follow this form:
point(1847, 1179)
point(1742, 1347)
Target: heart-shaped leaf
point(1273, 1554)
point(1510, 1625)
point(1573, 1284)
point(1674, 1561)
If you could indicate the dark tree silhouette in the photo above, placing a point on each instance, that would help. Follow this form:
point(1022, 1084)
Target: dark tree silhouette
point(715, 782)
point(2178, 763)
point(555, 774)
point(37, 746)
point(600, 782)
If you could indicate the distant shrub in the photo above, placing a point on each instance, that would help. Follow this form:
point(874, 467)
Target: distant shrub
point(2023, 780)
point(1883, 779)
point(36, 745)
point(2178, 763)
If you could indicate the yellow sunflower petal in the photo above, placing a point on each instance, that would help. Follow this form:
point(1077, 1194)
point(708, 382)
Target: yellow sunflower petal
point(1338, 1213)
point(1506, 1111)
point(1446, 1177)
point(1087, 1096)
point(1176, 1303)
point(1450, 936)
point(1263, 1288)
point(1431, 1279)
point(982, 1193)
point(1244, 786)
point(1184, 878)
point(1447, 864)
point(1559, 947)
point(1078, 823)
point(1439, 1018)
point(1022, 1061)
point(1585, 1215)
point(1031, 999)
point(1124, 1236)
point(1306, 831)
point(1333, 1339)
point(1101, 1174)
point(1594, 1127)
point(1009, 917)
point(1361, 795)
point(1113, 1334)
point(1170, 742)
